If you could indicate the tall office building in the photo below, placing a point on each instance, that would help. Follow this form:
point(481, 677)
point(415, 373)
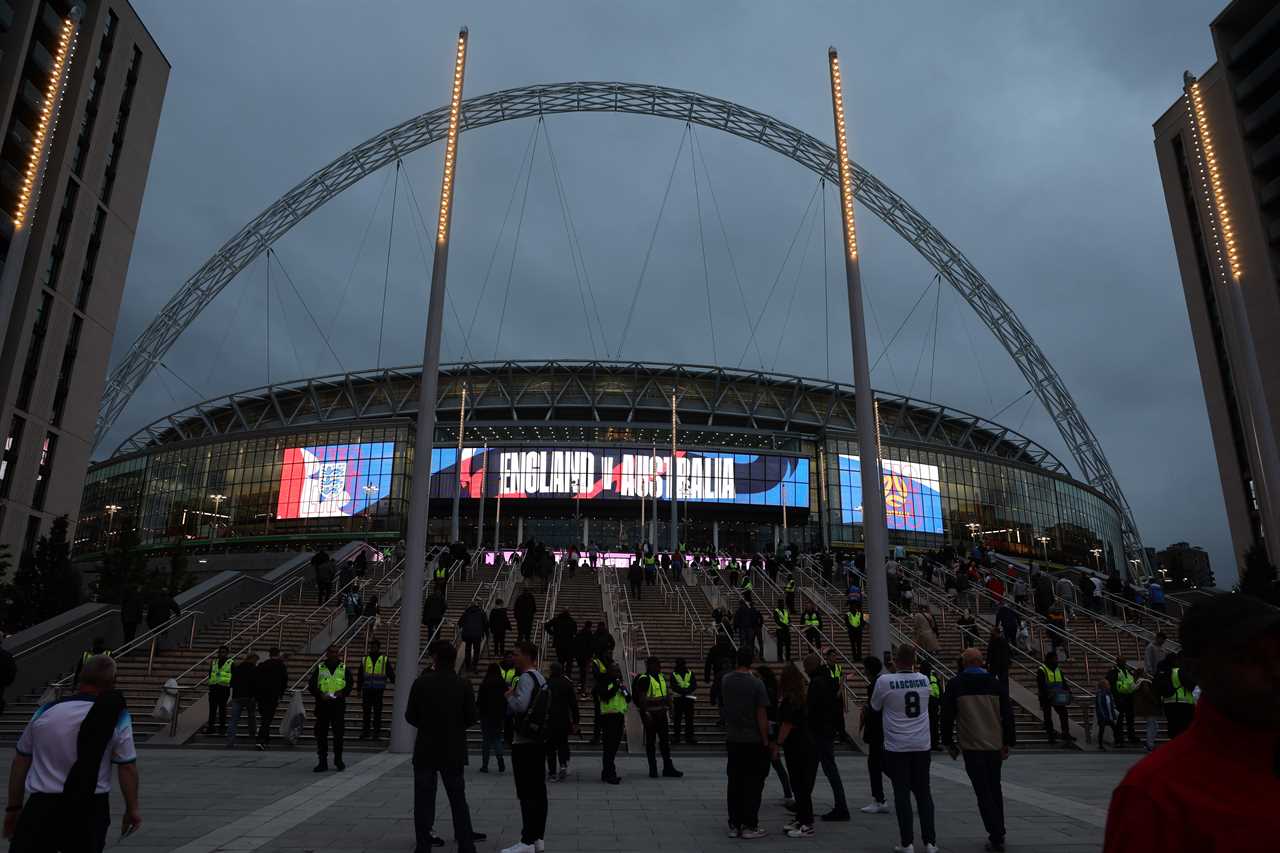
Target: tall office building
point(1218, 149)
point(1185, 567)
point(81, 85)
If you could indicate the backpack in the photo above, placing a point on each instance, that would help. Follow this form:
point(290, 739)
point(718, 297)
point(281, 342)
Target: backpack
point(533, 723)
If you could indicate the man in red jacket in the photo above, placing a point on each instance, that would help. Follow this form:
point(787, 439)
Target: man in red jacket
point(1215, 787)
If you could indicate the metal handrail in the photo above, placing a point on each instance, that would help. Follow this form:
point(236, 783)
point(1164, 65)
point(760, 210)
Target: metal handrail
point(435, 635)
point(277, 626)
point(549, 607)
point(326, 611)
point(680, 593)
point(343, 641)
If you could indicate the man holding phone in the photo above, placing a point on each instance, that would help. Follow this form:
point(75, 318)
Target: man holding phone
point(62, 768)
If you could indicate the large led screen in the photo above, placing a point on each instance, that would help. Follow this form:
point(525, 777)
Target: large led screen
point(912, 494)
point(597, 473)
point(334, 480)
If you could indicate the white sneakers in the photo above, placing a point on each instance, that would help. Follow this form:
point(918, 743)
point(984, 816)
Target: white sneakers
point(875, 808)
point(539, 846)
point(753, 833)
point(911, 848)
point(800, 831)
point(521, 847)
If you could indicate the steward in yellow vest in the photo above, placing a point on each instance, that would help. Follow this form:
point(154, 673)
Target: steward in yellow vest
point(219, 691)
point(656, 701)
point(329, 686)
point(611, 698)
point(375, 671)
point(684, 685)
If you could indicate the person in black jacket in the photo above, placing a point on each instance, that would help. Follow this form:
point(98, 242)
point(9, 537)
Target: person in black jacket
point(684, 687)
point(329, 685)
point(826, 721)
point(635, 580)
point(160, 606)
point(271, 681)
point(244, 692)
point(526, 609)
point(433, 610)
point(491, 703)
point(562, 720)
point(131, 612)
point(978, 706)
point(471, 627)
point(499, 624)
point(582, 651)
point(562, 630)
point(441, 707)
point(872, 728)
point(999, 657)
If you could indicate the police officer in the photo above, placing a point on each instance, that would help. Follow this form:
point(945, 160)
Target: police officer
point(854, 620)
point(375, 671)
point(654, 702)
point(611, 702)
point(685, 687)
point(330, 686)
point(782, 621)
point(219, 690)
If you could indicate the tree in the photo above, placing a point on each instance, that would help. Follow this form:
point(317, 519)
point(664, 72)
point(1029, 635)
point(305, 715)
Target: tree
point(123, 569)
point(180, 579)
point(1258, 577)
point(45, 584)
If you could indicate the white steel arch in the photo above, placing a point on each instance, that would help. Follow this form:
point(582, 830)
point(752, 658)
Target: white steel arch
point(640, 99)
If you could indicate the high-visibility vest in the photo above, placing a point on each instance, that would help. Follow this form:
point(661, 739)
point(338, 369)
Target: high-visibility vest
point(441, 572)
point(375, 672)
point(331, 682)
point(837, 671)
point(657, 686)
point(1125, 683)
point(855, 619)
point(1051, 676)
point(89, 654)
point(746, 583)
point(811, 620)
point(1180, 693)
point(649, 562)
point(508, 675)
point(220, 676)
point(598, 665)
point(783, 617)
point(791, 585)
point(615, 705)
point(934, 690)
point(684, 682)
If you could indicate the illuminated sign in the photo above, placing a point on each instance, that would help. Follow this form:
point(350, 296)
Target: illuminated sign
point(569, 473)
point(334, 480)
point(912, 494)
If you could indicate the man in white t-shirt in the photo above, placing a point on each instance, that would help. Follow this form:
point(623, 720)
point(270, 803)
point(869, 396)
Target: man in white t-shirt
point(63, 768)
point(902, 697)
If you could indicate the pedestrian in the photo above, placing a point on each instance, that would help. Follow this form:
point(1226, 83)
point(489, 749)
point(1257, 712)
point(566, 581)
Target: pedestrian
point(9, 673)
point(1055, 696)
point(855, 619)
point(635, 580)
point(441, 707)
point(329, 686)
point(131, 612)
point(1176, 688)
point(684, 687)
point(562, 630)
point(562, 721)
point(611, 698)
point(322, 567)
point(782, 631)
point(812, 622)
point(525, 608)
point(271, 680)
point(925, 631)
point(1106, 715)
point(71, 745)
point(770, 682)
point(433, 610)
point(160, 606)
point(653, 699)
point(744, 623)
point(1124, 682)
point(1007, 621)
point(795, 739)
point(745, 707)
point(376, 671)
point(244, 694)
point(471, 628)
point(1154, 654)
point(1215, 787)
point(903, 697)
point(582, 653)
point(220, 667)
point(871, 726)
point(977, 720)
point(826, 723)
point(491, 705)
point(1146, 704)
point(499, 623)
point(527, 749)
point(999, 657)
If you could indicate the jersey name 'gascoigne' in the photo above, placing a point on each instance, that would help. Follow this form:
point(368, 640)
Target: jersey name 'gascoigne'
point(903, 697)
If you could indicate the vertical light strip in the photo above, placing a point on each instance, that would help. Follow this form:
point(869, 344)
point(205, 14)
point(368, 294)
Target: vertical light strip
point(29, 193)
point(1224, 236)
point(451, 141)
point(842, 153)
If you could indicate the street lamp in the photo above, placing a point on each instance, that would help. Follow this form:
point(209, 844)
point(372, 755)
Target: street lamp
point(370, 489)
point(1044, 543)
point(217, 502)
point(1097, 558)
point(974, 528)
point(111, 509)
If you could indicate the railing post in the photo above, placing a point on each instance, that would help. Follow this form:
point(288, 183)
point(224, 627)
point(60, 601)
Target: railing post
point(191, 639)
point(177, 710)
point(151, 656)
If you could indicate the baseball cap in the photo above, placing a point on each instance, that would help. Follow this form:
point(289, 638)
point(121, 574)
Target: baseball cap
point(1225, 620)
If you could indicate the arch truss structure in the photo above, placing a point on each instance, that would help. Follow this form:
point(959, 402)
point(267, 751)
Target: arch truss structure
point(640, 99)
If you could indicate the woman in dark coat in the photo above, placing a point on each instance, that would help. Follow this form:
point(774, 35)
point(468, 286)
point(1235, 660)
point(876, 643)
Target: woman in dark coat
point(491, 704)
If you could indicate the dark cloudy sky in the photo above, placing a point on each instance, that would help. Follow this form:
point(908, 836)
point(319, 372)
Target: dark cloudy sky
point(1021, 130)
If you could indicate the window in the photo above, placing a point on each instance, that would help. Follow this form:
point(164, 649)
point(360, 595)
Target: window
point(94, 100)
point(64, 370)
point(122, 123)
point(32, 365)
point(33, 531)
point(91, 259)
point(53, 263)
point(44, 470)
point(9, 453)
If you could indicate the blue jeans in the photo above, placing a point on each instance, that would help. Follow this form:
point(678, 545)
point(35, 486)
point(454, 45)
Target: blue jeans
point(238, 705)
point(491, 740)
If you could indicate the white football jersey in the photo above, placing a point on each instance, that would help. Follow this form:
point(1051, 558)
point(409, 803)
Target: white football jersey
point(903, 697)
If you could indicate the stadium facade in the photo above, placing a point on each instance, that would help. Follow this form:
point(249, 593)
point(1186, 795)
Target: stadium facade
point(551, 448)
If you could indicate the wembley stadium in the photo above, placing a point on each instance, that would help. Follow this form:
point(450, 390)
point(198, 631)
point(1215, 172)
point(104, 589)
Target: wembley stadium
point(573, 451)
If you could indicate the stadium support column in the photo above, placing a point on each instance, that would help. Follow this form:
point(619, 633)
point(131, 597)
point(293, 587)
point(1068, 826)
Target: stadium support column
point(484, 482)
point(715, 536)
point(875, 535)
point(675, 478)
point(455, 523)
point(402, 734)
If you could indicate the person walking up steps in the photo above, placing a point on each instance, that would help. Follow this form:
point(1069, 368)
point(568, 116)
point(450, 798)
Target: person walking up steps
point(903, 698)
point(562, 722)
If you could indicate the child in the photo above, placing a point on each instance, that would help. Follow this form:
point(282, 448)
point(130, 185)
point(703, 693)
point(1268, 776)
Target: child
point(1104, 709)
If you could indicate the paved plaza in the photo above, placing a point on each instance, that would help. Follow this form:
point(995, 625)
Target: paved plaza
point(199, 801)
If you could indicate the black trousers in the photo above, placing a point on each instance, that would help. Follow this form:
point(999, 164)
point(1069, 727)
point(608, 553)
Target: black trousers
point(782, 639)
point(855, 645)
point(611, 729)
point(1124, 719)
point(827, 759)
point(371, 708)
point(935, 716)
point(424, 806)
point(909, 772)
point(657, 738)
point(1061, 710)
point(875, 770)
point(218, 696)
point(499, 642)
point(582, 672)
point(747, 767)
point(524, 631)
point(331, 717)
point(531, 790)
point(682, 719)
point(983, 767)
point(324, 590)
point(557, 750)
point(636, 589)
point(471, 654)
point(266, 713)
point(52, 822)
point(802, 765)
point(130, 630)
